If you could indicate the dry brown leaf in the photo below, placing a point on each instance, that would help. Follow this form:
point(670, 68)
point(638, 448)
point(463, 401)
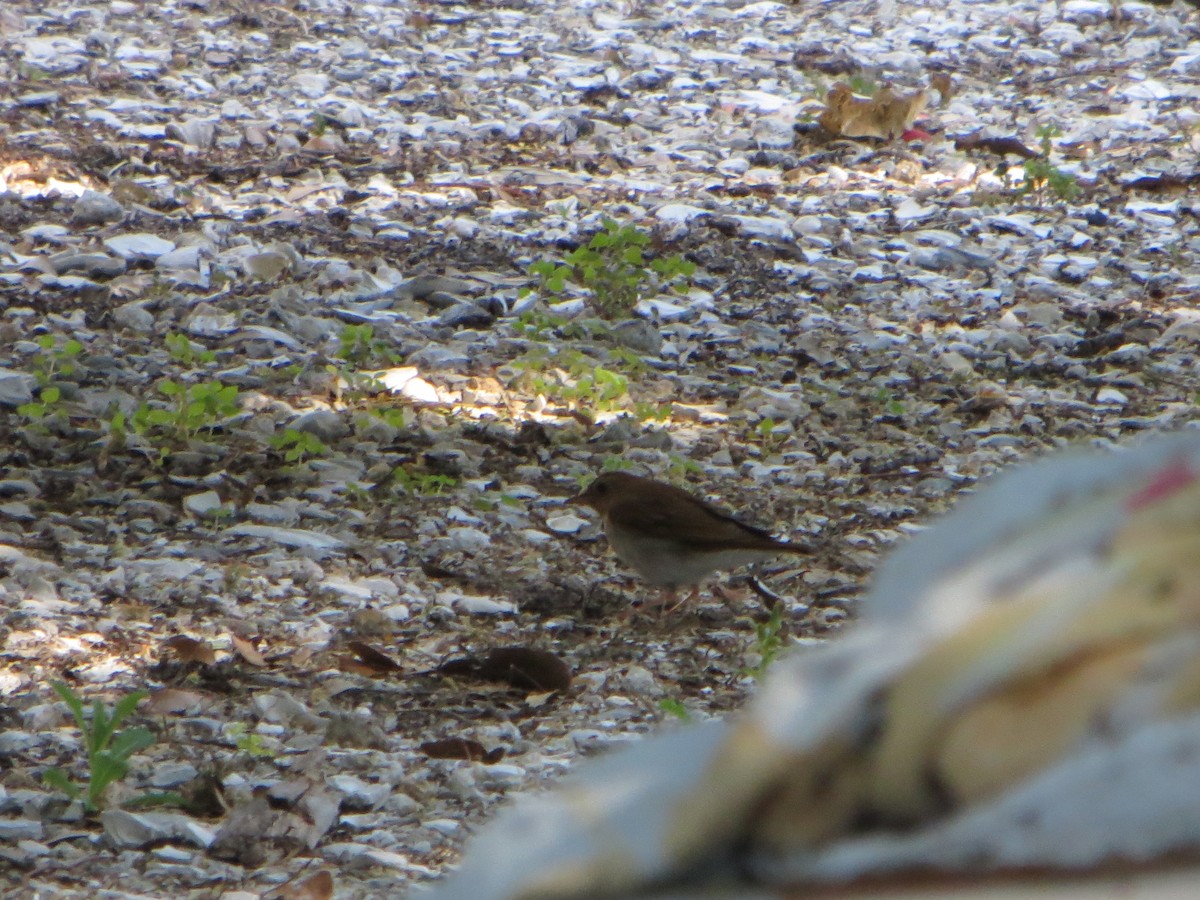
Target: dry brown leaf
point(461, 748)
point(944, 85)
point(171, 701)
point(378, 662)
point(886, 115)
point(1161, 184)
point(247, 651)
point(316, 887)
point(188, 649)
point(522, 667)
point(352, 666)
point(1001, 146)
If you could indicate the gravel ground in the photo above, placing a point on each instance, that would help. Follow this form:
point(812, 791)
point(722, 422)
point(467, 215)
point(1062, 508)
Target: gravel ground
point(273, 393)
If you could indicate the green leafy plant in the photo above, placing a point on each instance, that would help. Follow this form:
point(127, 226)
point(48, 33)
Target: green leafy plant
point(651, 412)
point(184, 352)
point(413, 482)
point(1042, 177)
point(615, 464)
point(628, 362)
point(863, 85)
point(56, 360)
point(768, 642)
point(768, 435)
point(395, 416)
point(574, 379)
point(108, 750)
point(45, 405)
point(537, 324)
point(613, 268)
point(673, 707)
point(118, 432)
point(358, 345)
point(680, 466)
point(192, 408)
point(249, 742)
point(298, 446)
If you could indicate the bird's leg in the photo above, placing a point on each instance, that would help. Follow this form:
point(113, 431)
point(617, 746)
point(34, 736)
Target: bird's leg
point(672, 594)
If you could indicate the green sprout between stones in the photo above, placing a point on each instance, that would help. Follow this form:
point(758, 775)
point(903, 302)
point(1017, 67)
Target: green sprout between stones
point(1042, 177)
point(613, 268)
point(574, 380)
point(424, 483)
point(651, 412)
point(673, 707)
point(863, 85)
point(680, 466)
point(55, 361)
point(192, 408)
point(249, 742)
point(108, 750)
point(184, 352)
point(298, 446)
point(615, 464)
point(892, 405)
point(45, 405)
point(768, 642)
point(359, 346)
point(769, 435)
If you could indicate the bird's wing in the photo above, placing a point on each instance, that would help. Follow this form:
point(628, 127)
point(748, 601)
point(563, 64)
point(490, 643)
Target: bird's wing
point(680, 523)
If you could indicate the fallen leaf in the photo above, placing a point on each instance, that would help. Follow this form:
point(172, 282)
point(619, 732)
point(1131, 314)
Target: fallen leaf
point(522, 667)
point(1001, 146)
point(247, 651)
point(943, 84)
point(315, 887)
point(171, 701)
point(461, 748)
point(376, 660)
point(1161, 184)
point(886, 115)
point(188, 649)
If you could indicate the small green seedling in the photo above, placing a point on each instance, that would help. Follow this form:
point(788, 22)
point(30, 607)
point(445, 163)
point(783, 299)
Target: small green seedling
point(193, 407)
point(673, 707)
point(422, 482)
point(55, 360)
point(45, 405)
point(184, 352)
point(108, 750)
point(768, 642)
point(358, 345)
point(298, 446)
point(1042, 177)
point(249, 742)
point(613, 268)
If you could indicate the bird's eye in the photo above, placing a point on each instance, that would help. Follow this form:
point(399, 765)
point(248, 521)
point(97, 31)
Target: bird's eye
point(600, 488)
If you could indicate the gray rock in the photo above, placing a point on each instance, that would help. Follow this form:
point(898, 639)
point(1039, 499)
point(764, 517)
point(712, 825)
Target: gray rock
point(139, 246)
point(94, 208)
point(173, 775)
point(20, 830)
point(97, 265)
point(322, 423)
point(15, 388)
point(197, 132)
point(125, 829)
point(134, 316)
point(466, 315)
point(639, 335)
point(38, 99)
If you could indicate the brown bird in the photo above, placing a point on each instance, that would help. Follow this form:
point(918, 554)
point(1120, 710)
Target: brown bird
point(671, 538)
